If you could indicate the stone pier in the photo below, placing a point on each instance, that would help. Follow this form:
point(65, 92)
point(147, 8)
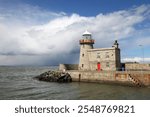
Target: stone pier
point(118, 77)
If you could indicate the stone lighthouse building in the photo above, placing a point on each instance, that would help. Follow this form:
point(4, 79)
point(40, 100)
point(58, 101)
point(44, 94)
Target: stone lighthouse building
point(86, 43)
point(95, 59)
point(98, 58)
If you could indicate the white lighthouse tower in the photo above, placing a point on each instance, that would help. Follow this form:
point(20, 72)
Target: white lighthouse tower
point(85, 43)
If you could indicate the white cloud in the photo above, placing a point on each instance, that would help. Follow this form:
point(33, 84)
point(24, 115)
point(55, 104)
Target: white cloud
point(143, 40)
point(136, 59)
point(33, 31)
point(25, 14)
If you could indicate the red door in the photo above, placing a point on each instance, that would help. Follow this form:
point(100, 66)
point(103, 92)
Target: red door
point(98, 66)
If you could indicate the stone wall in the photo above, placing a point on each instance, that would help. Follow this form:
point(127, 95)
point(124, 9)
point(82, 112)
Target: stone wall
point(137, 66)
point(84, 59)
point(68, 67)
point(96, 76)
point(109, 58)
point(121, 77)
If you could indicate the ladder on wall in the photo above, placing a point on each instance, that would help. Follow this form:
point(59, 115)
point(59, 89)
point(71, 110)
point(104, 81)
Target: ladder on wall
point(133, 78)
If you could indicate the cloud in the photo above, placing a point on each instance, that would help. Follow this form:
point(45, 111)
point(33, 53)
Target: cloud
point(143, 40)
point(136, 59)
point(25, 14)
point(40, 37)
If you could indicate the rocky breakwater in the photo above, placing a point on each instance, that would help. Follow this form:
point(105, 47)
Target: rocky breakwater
point(54, 76)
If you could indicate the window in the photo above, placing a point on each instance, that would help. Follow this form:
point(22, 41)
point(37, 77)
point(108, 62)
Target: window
point(107, 55)
point(87, 37)
point(82, 65)
point(98, 55)
point(82, 55)
point(107, 64)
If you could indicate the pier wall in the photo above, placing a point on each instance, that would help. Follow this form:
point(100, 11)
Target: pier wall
point(121, 77)
point(68, 67)
point(137, 66)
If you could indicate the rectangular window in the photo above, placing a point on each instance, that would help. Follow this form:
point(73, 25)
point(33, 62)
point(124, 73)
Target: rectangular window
point(107, 55)
point(82, 55)
point(98, 55)
point(107, 64)
point(82, 65)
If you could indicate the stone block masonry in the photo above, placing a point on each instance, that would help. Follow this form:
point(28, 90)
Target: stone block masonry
point(98, 58)
point(137, 66)
point(119, 77)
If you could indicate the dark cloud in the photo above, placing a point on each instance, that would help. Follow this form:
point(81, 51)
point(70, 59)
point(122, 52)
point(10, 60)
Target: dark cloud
point(31, 35)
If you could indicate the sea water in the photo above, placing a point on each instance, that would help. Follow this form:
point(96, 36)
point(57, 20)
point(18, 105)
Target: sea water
point(17, 83)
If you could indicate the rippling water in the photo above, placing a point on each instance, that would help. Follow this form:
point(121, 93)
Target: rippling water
point(18, 83)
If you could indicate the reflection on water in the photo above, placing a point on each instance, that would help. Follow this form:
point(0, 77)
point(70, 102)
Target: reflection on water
point(18, 83)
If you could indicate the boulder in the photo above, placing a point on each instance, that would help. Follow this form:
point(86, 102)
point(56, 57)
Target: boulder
point(54, 76)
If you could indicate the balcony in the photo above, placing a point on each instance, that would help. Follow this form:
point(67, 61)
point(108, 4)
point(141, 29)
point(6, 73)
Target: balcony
point(87, 41)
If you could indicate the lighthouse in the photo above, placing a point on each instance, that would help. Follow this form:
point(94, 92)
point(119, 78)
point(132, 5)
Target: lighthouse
point(86, 43)
point(96, 59)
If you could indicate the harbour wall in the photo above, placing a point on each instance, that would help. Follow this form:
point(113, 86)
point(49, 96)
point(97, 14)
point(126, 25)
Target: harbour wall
point(120, 77)
point(68, 67)
point(137, 66)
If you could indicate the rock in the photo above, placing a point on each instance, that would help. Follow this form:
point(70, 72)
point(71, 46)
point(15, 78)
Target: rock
point(54, 76)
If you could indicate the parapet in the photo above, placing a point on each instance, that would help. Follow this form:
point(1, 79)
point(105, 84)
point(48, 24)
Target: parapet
point(68, 67)
point(86, 41)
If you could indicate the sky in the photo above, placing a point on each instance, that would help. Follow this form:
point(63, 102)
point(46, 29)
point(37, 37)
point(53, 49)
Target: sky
point(47, 32)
